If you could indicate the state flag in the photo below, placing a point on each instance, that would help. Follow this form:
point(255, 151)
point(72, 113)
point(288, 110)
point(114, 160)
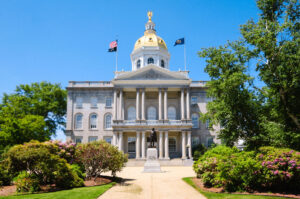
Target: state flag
point(179, 42)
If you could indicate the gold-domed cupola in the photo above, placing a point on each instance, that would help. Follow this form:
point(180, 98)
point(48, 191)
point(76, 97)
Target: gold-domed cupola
point(150, 48)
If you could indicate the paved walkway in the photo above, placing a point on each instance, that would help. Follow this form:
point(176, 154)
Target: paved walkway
point(168, 184)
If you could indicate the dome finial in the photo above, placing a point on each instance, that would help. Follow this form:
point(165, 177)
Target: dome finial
point(149, 15)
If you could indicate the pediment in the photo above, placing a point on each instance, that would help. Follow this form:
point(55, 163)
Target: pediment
point(152, 73)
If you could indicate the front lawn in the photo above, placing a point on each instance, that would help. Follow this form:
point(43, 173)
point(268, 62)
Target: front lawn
point(75, 193)
point(210, 195)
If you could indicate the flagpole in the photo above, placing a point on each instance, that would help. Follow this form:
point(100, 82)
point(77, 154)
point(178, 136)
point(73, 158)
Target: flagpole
point(117, 55)
point(184, 55)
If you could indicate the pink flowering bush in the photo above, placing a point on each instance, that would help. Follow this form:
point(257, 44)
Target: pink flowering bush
point(100, 156)
point(66, 150)
point(281, 168)
point(268, 169)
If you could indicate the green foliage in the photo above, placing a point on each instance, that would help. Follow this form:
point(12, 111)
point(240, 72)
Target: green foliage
point(98, 157)
point(5, 176)
point(269, 169)
point(26, 183)
point(260, 116)
point(198, 150)
point(34, 111)
point(42, 162)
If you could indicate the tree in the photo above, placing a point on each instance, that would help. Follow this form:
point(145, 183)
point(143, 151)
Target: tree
point(275, 40)
point(262, 116)
point(234, 104)
point(33, 111)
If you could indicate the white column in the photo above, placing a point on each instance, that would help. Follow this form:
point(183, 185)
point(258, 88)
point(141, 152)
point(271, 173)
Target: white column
point(159, 104)
point(143, 145)
point(137, 108)
point(137, 145)
point(114, 141)
point(161, 145)
point(188, 104)
point(182, 104)
point(166, 145)
point(143, 104)
point(189, 142)
point(120, 141)
point(120, 105)
point(166, 104)
point(183, 144)
point(115, 105)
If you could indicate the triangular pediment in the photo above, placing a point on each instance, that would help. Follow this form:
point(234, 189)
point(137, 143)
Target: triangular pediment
point(152, 72)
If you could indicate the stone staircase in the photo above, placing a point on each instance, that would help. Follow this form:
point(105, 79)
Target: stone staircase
point(171, 162)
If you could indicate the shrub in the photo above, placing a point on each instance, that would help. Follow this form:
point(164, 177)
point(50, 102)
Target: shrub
point(5, 177)
point(41, 161)
point(98, 157)
point(281, 168)
point(198, 150)
point(65, 150)
point(229, 168)
point(26, 183)
point(268, 169)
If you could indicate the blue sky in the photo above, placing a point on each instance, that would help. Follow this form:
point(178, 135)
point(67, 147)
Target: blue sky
point(63, 40)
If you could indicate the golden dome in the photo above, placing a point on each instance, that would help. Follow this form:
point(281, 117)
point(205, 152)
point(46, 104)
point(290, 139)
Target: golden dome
point(150, 38)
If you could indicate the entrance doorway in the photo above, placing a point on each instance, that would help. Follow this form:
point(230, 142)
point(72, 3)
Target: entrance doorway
point(131, 147)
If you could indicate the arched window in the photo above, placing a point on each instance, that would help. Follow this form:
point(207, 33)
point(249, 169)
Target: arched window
point(151, 113)
point(93, 121)
point(162, 63)
point(107, 121)
point(138, 64)
point(150, 60)
point(171, 113)
point(195, 120)
point(78, 121)
point(131, 114)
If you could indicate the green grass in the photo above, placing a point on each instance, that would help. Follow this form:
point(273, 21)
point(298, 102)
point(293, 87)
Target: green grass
point(76, 193)
point(210, 195)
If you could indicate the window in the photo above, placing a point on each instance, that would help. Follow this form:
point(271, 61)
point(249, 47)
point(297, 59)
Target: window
point(172, 144)
point(108, 102)
point(78, 121)
point(94, 102)
point(150, 60)
point(162, 63)
point(138, 64)
point(131, 144)
point(131, 113)
point(107, 139)
point(79, 102)
point(93, 138)
point(195, 120)
point(210, 141)
point(195, 141)
point(93, 121)
point(151, 113)
point(78, 140)
point(171, 113)
point(108, 121)
point(194, 99)
point(207, 124)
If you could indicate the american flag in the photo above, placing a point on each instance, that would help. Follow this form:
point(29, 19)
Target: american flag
point(113, 44)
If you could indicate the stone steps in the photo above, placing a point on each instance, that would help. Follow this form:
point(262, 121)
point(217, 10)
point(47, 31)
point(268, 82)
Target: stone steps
point(171, 162)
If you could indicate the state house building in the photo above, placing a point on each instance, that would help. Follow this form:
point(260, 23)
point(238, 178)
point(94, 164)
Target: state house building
point(124, 110)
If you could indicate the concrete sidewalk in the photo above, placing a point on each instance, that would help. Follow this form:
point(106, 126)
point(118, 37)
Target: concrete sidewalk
point(168, 184)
